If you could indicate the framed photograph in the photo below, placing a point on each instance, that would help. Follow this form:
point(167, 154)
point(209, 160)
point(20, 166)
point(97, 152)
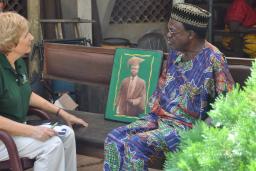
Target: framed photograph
point(135, 75)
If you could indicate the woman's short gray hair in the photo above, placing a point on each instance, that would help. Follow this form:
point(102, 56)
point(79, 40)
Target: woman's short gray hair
point(12, 26)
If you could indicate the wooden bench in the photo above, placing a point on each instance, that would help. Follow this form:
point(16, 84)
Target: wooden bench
point(93, 66)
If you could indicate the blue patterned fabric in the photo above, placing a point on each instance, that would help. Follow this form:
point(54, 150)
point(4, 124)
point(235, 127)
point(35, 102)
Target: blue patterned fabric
point(184, 94)
point(132, 147)
point(189, 87)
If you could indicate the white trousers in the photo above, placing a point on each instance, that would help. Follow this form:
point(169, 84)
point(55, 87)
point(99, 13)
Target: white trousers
point(55, 154)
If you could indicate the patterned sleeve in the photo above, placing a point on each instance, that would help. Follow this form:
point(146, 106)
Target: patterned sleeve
point(162, 79)
point(222, 77)
point(218, 80)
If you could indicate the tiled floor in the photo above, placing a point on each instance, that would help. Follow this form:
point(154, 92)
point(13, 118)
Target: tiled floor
point(86, 163)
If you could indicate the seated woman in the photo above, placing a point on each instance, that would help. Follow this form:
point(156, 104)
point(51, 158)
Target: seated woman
point(241, 18)
point(196, 74)
point(38, 142)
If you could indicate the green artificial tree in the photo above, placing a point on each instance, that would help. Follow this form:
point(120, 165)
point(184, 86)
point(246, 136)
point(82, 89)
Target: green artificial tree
point(229, 145)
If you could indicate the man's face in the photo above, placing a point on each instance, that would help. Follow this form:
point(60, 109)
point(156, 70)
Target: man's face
point(177, 36)
point(134, 70)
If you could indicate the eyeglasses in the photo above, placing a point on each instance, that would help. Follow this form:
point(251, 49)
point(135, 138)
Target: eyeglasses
point(172, 32)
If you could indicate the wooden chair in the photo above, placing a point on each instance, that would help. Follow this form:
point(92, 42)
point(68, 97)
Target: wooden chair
point(15, 163)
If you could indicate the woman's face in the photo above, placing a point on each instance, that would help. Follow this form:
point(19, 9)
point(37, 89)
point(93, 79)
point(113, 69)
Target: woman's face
point(24, 44)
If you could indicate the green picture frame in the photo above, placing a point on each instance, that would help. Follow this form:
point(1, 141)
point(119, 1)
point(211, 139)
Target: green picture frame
point(135, 75)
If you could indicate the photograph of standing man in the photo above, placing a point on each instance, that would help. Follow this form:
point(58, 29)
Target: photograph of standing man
point(132, 94)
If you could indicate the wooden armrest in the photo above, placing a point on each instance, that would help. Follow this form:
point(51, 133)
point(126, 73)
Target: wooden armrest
point(38, 112)
point(12, 151)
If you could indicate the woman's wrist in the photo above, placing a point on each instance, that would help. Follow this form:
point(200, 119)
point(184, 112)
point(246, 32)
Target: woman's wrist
point(29, 130)
point(61, 113)
point(58, 112)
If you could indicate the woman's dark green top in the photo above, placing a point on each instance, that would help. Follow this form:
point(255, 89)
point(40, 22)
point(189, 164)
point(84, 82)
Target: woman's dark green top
point(15, 90)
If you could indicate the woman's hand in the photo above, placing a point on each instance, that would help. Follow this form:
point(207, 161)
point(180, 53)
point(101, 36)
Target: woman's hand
point(41, 103)
point(42, 133)
point(71, 119)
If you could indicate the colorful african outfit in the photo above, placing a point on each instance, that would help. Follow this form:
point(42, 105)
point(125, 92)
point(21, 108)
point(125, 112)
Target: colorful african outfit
point(184, 95)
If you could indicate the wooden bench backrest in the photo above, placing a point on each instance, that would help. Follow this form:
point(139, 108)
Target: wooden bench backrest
point(239, 61)
point(93, 66)
point(79, 64)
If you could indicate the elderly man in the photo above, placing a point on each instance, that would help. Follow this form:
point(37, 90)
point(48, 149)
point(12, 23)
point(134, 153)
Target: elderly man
point(196, 73)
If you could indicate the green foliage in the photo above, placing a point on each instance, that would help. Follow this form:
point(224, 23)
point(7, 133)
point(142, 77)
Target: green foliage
point(232, 147)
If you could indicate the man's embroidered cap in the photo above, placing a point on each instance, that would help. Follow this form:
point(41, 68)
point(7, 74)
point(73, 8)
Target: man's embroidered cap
point(190, 14)
point(135, 60)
